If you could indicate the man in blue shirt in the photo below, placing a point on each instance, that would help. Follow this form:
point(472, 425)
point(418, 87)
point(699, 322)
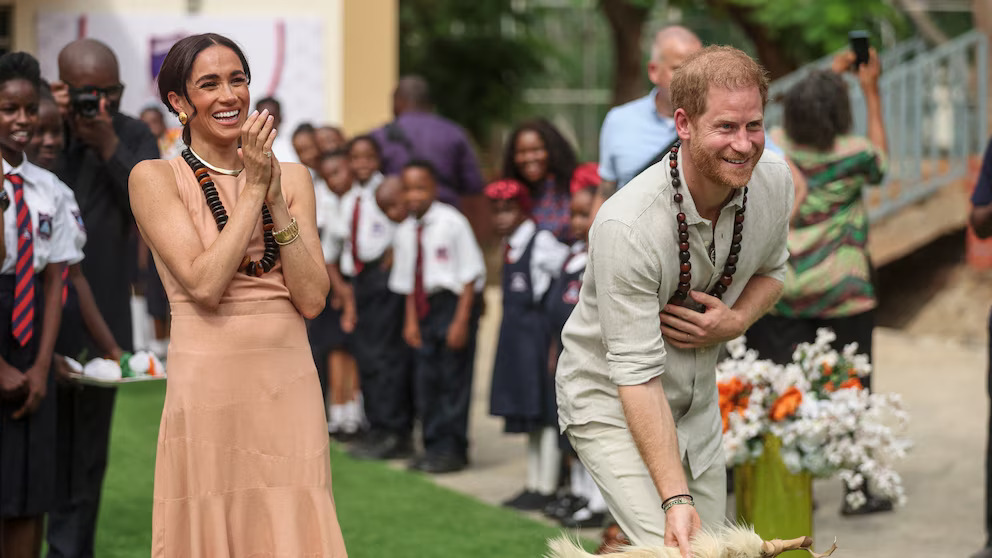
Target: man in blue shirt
point(635, 132)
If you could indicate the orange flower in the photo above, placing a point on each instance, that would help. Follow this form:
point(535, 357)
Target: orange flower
point(733, 397)
point(786, 404)
point(854, 382)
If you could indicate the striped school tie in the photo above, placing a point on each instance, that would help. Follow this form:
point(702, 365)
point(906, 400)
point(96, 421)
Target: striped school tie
point(22, 321)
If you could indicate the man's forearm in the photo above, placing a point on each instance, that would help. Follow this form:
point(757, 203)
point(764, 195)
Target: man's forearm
point(653, 428)
point(876, 123)
point(758, 297)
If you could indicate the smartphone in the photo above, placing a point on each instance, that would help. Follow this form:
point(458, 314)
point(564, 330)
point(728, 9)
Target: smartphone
point(859, 44)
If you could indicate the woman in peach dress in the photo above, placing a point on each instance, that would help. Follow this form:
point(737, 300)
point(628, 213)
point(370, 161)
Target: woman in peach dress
point(243, 467)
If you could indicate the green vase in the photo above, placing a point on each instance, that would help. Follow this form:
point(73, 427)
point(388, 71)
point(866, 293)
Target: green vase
point(777, 502)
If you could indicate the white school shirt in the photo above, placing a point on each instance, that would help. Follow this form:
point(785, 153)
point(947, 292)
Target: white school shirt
point(330, 242)
point(577, 256)
point(546, 258)
point(53, 232)
point(451, 256)
point(320, 194)
point(74, 221)
point(375, 230)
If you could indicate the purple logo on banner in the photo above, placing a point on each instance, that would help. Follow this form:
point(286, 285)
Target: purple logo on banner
point(159, 48)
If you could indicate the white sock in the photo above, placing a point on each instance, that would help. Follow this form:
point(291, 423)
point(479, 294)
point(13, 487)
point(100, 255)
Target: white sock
point(550, 461)
point(334, 423)
point(533, 461)
point(592, 494)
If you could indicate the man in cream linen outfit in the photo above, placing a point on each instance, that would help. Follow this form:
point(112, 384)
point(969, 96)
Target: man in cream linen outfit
point(638, 401)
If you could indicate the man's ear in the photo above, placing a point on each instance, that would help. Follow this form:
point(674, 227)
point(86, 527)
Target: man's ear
point(682, 124)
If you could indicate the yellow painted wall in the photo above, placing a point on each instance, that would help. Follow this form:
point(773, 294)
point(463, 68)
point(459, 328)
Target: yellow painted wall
point(359, 80)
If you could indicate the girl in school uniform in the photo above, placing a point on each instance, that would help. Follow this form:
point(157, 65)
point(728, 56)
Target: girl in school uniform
point(36, 246)
point(522, 386)
point(331, 343)
point(582, 505)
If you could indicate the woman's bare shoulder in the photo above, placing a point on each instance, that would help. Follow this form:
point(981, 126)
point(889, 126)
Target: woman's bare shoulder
point(151, 171)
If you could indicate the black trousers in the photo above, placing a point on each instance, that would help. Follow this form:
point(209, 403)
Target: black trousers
point(85, 414)
point(776, 337)
point(443, 378)
point(385, 361)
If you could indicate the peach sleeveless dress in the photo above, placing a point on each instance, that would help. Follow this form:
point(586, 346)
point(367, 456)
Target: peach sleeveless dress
point(243, 468)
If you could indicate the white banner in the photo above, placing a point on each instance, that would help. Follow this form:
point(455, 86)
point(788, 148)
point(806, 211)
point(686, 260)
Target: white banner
point(286, 55)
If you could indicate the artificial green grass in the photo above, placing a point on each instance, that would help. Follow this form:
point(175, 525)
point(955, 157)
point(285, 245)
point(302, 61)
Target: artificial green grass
point(383, 512)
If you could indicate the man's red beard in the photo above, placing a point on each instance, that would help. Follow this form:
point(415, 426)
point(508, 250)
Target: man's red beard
point(714, 168)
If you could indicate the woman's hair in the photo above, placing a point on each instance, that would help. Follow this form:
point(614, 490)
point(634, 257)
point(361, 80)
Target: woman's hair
point(20, 65)
point(178, 65)
point(817, 110)
point(561, 156)
point(371, 140)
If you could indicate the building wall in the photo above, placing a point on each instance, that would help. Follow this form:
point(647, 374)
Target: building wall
point(361, 55)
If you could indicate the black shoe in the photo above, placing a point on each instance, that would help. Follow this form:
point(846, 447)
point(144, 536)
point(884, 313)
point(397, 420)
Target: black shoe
point(366, 440)
point(873, 504)
point(390, 446)
point(529, 501)
point(564, 506)
point(440, 464)
point(417, 462)
point(584, 518)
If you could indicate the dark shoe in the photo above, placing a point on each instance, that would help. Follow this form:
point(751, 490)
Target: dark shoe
point(364, 442)
point(613, 540)
point(390, 446)
point(440, 464)
point(584, 518)
point(417, 463)
point(872, 505)
point(529, 501)
point(983, 553)
point(564, 506)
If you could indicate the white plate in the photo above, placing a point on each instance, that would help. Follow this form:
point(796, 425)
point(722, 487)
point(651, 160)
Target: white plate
point(91, 381)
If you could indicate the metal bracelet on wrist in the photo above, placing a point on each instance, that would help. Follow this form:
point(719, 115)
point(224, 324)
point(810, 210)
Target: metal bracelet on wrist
point(287, 235)
point(676, 501)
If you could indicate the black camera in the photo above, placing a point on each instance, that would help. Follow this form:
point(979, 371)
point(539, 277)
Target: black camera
point(85, 101)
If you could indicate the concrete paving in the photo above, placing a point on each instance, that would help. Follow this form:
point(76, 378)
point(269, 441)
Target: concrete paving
point(943, 385)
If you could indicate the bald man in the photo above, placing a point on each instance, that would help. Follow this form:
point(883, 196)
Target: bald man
point(633, 134)
point(101, 148)
point(418, 133)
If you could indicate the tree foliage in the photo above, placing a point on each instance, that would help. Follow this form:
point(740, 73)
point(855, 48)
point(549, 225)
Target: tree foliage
point(476, 56)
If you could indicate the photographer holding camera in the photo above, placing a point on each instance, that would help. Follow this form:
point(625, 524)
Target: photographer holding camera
point(101, 148)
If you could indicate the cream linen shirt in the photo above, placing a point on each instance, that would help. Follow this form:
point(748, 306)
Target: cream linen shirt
point(613, 336)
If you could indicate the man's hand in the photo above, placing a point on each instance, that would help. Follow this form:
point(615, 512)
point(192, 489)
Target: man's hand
point(681, 524)
point(37, 380)
point(13, 383)
point(457, 336)
point(60, 91)
point(687, 329)
point(97, 132)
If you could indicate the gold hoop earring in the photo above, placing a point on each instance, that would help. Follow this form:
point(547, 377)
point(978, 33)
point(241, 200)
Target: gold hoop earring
point(183, 118)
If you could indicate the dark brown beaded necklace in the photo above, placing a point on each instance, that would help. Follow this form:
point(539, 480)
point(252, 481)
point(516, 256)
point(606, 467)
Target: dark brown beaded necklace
point(248, 266)
point(681, 295)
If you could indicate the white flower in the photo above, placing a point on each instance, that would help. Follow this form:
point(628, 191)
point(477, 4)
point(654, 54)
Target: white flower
point(73, 365)
point(856, 499)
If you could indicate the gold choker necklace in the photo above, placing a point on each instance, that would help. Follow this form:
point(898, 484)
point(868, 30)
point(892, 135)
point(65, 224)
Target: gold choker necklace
point(204, 162)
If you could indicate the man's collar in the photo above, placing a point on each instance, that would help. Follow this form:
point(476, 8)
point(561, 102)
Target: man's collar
point(692, 215)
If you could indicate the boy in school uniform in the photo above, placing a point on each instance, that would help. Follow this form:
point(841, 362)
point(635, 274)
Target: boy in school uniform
point(331, 344)
point(374, 312)
point(439, 266)
point(523, 386)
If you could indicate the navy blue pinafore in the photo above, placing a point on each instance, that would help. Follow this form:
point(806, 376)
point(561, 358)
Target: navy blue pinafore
point(523, 390)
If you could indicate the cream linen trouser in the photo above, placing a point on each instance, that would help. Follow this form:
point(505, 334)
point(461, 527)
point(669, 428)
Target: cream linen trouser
point(610, 455)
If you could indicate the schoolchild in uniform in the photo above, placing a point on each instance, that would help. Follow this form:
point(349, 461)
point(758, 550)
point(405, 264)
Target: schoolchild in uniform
point(37, 242)
point(80, 315)
point(374, 312)
point(331, 344)
point(582, 505)
point(440, 268)
point(523, 387)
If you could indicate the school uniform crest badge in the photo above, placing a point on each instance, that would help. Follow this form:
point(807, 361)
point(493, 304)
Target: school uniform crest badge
point(571, 294)
point(518, 282)
point(44, 226)
point(79, 220)
point(442, 254)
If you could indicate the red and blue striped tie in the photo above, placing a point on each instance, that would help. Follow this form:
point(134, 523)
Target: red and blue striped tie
point(23, 317)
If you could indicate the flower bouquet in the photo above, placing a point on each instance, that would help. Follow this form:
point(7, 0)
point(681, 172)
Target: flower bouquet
point(815, 415)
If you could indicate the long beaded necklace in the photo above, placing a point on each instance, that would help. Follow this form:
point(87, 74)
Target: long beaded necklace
point(248, 266)
point(685, 266)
